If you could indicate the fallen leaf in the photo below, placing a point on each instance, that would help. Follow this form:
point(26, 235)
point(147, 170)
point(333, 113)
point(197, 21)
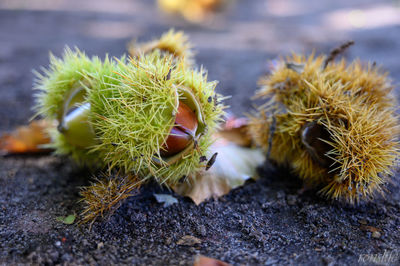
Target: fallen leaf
point(235, 131)
point(26, 139)
point(376, 234)
point(206, 261)
point(70, 219)
point(233, 166)
point(237, 135)
point(100, 245)
point(188, 240)
point(369, 228)
point(167, 199)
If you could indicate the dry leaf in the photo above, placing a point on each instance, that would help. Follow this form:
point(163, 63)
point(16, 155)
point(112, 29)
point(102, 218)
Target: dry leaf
point(235, 130)
point(167, 199)
point(26, 139)
point(188, 240)
point(206, 261)
point(192, 10)
point(369, 228)
point(70, 219)
point(233, 166)
point(237, 135)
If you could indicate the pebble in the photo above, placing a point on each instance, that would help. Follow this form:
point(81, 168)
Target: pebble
point(280, 194)
point(54, 255)
point(362, 221)
point(168, 241)
point(328, 261)
point(376, 234)
point(270, 262)
point(66, 257)
point(201, 230)
point(85, 242)
point(291, 200)
point(188, 240)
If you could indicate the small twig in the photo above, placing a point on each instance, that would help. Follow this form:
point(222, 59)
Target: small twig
point(337, 51)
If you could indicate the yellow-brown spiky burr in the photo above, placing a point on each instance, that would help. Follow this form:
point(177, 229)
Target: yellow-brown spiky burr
point(332, 123)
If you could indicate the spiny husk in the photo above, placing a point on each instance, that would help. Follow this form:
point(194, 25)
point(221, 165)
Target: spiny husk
point(63, 75)
point(132, 115)
point(54, 85)
point(351, 102)
point(106, 194)
point(132, 110)
point(173, 42)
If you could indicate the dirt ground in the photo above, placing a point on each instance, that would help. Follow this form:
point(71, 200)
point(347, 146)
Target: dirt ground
point(266, 222)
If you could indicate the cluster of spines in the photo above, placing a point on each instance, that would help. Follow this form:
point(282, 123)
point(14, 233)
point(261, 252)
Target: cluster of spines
point(133, 117)
point(174, 43)
point(105, 195)
point(133, 103)
point(351, 102)
point(65, 74)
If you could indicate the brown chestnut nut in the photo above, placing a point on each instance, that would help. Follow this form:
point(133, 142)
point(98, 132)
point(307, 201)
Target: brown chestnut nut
point(182, 133)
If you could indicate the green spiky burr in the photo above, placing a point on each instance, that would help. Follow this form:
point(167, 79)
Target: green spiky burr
point(62, 91)
point(119, 113)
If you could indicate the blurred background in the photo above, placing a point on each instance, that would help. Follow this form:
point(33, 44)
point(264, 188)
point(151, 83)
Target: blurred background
point(234, 39)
